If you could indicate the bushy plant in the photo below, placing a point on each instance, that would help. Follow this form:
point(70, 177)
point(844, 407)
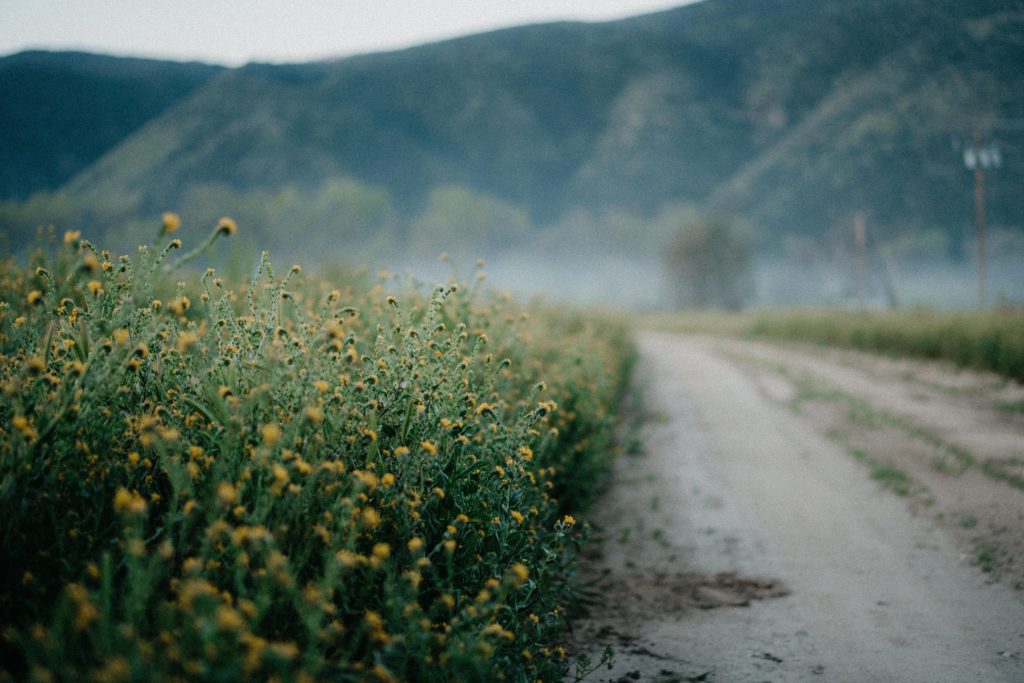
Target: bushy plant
point(288, 479)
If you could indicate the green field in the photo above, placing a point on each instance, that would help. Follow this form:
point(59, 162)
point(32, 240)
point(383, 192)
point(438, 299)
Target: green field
point(991, 340)
point(293, 478)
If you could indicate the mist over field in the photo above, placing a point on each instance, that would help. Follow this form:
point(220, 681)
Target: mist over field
point(722, 154)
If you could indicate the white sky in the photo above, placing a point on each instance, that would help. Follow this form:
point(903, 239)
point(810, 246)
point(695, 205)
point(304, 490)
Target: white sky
point(232, 33)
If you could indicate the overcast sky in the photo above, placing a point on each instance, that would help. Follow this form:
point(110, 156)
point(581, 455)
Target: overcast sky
point(235, 32)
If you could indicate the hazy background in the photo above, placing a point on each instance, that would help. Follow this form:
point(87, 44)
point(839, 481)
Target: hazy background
point(724, 153)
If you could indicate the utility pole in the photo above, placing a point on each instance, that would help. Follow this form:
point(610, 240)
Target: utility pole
point(978, 158)
point(979, 216)
point(860, 241)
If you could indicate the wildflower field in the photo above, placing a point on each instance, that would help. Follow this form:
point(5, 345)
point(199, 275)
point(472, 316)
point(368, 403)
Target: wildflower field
point(289, 478)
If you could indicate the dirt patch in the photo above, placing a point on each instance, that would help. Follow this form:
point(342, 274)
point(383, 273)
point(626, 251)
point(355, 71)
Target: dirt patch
point(629, 602)
point(638, 596)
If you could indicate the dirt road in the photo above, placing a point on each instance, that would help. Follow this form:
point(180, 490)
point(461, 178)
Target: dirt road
point(810, 515)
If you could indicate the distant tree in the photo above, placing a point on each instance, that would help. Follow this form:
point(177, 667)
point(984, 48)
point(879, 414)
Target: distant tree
point(466, 223)
point(710, 265)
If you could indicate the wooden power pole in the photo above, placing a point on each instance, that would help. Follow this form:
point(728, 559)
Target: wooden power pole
point(979, 214)
point(860, 242)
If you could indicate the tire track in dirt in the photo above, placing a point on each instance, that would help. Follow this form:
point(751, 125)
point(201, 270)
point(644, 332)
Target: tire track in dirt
point(743, 545)
point(927, 431)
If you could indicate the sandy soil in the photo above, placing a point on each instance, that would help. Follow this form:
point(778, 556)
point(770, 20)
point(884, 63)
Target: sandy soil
point(799, 514)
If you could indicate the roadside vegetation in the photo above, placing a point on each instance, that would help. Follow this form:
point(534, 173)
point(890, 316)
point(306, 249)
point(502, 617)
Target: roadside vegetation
point(991, 340)
point(291, 478)
point(984, 340)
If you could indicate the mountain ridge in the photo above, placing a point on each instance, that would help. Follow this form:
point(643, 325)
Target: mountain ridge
point(789, 115)
point(63, 110)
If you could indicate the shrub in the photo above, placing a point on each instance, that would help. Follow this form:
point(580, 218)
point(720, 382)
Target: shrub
point(288, 478)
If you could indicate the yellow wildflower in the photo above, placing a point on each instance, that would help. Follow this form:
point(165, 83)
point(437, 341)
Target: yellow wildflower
point(367, 479)
point(226, 494)
point(185, 341)
point(129, 502)
point(229, 619)
point(179, 304)
point(270, 433)
point(21, 423)
point(517, 575)
point(371, 518)
point(285, 650)
point(171, 222)
point(227, 226)
point(497, 630)
point(348, 559)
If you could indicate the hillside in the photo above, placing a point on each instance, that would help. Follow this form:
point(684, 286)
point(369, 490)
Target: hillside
point(61, 111)
point(787, 114)
point(886, 137)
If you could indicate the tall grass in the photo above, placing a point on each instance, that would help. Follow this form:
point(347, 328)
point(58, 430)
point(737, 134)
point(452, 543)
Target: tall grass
point(990, 340)
point(986, 340)
point(288, 479)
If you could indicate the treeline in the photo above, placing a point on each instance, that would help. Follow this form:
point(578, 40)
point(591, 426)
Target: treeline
point(349, 220)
